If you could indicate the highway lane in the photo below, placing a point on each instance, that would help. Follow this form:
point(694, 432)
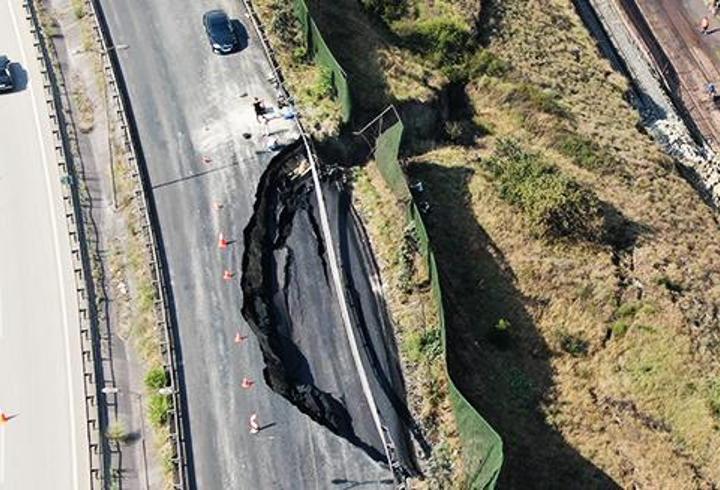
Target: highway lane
point(192, 109)
point(45, 446)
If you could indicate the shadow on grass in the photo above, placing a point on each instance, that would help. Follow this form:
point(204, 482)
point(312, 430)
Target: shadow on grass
point(508, 385)
point(355, 38)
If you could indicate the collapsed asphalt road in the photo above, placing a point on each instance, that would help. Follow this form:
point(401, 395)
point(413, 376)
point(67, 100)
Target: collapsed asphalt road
point(279, 280)
point(202, 145)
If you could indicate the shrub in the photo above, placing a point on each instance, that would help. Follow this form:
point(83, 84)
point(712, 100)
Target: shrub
point(540, 100)
point(116, 431)
point(627, 310)
point(158, 409)
point(445, 39)
point(584, 153)
point(323, 87)
point(574, 345)
point(156, 378)
point(500, 333)
point(714, 398)
point(620, 328)
point(423, 346)
point(555, 205)
point(285, 23)
point(483, 62)
point(431, 344)
point(389, 10)
point(670, 285)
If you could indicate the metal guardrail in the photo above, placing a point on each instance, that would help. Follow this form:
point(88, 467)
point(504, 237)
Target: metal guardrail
point(89, 336)
point(118, 95)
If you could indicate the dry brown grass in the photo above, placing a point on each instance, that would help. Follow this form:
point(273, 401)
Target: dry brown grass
point(84, 108)
point(413, 313)
point(637, 406)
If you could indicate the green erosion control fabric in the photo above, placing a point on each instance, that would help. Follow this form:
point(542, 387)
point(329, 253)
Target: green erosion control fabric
point(320, 52)
point(482, 446)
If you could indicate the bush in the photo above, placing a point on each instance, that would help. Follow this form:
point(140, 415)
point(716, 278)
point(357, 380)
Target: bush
point(116, 431)
point(285, 23)
point(445, 39)
point(584, 153)
point(540, 100)
point(156, 378)
point(500, 334)
point(483, 62)
point(555, 205)
point(627, 310)
point(620, 328)
point(424, 346)
point(574, 345)
point(323, 87)
point(158, 409)
point(389, 10)
point(714, 398)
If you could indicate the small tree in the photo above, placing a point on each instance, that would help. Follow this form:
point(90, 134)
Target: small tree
point(116, 431)
point(500, 333)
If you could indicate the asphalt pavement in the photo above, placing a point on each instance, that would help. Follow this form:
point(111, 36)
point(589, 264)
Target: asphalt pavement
point(204, 147)
point(45, 445)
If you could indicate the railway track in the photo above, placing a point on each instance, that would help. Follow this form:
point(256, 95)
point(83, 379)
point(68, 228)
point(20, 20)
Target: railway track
point(685, 61)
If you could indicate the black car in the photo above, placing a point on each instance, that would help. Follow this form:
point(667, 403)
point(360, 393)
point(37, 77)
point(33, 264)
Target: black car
point(6, 79)
point(221, 35)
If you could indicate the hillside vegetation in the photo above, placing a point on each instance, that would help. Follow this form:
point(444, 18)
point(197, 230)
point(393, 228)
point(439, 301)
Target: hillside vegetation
point(554, 219)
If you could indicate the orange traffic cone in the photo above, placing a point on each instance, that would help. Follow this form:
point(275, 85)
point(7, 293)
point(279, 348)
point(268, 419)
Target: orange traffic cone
point(239, 338)
point(4, 419)
point(227, 275)
point(247, 383)
point(222, 243)
point(254, 427)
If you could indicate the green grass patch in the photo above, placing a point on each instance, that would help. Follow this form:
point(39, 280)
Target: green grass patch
point(585, 152)
point(444, 40)
point(545, 101)
point(78, 8)
point(555, 205)
point(573, 344)
point(156, 378)
point(158, 409)
point(483, 62)
point(620, 328)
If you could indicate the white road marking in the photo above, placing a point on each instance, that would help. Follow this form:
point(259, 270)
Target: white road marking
point(56, 239)
point(2, 455)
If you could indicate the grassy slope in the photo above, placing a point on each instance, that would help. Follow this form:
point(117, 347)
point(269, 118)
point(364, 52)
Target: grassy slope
point(612, 373)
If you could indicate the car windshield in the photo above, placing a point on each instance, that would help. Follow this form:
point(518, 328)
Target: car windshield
point(219, 22)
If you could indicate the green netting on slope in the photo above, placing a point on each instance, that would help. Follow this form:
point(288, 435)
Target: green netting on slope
point(387, 147)
point(321, 53)
point(482, 446)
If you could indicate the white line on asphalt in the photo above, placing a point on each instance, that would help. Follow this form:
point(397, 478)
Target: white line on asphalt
point(2, 455)
point(61, 287)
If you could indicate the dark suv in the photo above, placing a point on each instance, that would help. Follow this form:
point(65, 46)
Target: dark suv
point(6, 80)
point(220, 33)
